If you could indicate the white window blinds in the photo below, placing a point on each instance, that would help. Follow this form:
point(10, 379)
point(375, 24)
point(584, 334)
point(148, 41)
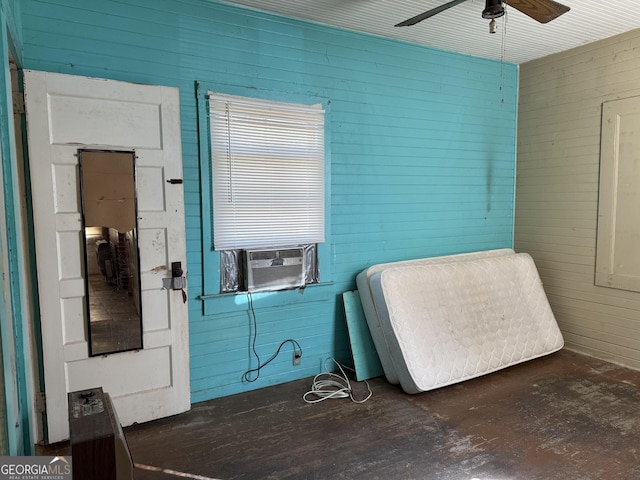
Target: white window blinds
point(268, 172)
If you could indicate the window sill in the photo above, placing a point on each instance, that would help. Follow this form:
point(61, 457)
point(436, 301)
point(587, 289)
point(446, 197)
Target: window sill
point(232, 302)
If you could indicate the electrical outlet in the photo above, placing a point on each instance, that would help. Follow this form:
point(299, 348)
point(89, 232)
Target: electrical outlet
point(296, 358)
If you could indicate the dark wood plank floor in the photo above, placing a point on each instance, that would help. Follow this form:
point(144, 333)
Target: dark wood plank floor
point(115, 320)
point(565, 416)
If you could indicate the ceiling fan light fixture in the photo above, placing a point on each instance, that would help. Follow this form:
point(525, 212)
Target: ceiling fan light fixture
point(493, 9)
point(493, 26)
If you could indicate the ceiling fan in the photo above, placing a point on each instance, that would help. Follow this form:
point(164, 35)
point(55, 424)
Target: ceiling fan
point(542, 11)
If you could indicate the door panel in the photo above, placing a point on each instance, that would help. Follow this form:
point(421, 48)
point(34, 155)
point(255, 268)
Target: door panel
point(617, 258)
point(64, 114)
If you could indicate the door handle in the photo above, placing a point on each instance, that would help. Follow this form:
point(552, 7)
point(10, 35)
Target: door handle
point(177, 281)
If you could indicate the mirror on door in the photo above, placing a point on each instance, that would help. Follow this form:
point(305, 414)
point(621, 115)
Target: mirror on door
point(112, 273)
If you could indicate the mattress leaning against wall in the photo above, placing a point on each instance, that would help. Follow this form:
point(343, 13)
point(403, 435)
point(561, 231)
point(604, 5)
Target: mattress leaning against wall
point(368, 306)
point(446, 322)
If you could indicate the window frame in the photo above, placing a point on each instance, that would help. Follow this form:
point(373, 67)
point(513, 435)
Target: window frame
point(210, 257)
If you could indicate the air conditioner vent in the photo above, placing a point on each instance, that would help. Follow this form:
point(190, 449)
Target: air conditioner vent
point(274, 269)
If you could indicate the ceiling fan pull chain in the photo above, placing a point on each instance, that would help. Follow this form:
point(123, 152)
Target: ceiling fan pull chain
point(502, 53)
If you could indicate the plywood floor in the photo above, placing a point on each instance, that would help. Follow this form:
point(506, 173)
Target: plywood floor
point(565, 416)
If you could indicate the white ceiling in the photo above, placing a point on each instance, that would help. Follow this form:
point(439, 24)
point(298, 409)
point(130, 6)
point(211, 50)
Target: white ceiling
point(462, 29)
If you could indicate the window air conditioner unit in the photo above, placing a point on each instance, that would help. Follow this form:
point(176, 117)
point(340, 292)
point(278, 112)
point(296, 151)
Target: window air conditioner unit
point(275, 269)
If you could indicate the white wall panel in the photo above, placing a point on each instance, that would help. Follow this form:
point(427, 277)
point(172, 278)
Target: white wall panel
point(556, 218)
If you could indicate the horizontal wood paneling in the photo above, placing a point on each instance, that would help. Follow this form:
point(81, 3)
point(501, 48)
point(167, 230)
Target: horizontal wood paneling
point(422, 150)
point(560, 106)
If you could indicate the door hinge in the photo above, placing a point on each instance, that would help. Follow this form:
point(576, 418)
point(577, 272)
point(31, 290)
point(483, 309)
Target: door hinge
point(18, 103)
point(41, 402)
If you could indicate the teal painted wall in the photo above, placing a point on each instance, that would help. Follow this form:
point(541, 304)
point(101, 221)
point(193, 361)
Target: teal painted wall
point(14, 323)
point(422, 153)
point(12, 19)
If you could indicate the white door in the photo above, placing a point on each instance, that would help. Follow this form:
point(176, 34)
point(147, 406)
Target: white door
point(64, 114)
point(617, 257)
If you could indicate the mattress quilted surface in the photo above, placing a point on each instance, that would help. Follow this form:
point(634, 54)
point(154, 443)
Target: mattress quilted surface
point(371, 314)
point(449, 322)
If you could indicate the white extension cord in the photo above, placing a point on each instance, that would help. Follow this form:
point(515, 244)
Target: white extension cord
point(330, 385)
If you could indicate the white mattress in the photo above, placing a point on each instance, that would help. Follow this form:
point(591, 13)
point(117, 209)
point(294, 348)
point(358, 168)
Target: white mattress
point(448, 322)
point(368, 306)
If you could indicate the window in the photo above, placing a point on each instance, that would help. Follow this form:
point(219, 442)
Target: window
point(268, 179)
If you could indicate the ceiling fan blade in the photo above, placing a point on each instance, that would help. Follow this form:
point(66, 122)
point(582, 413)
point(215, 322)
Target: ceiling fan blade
point(541, 10)
point(430, 13)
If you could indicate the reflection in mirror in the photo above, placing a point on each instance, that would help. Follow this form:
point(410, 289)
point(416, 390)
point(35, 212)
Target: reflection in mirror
point(112, 276)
